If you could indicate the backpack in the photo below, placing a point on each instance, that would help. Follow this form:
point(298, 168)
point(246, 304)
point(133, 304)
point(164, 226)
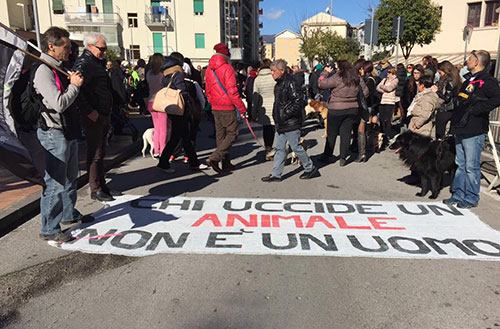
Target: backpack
point(28, 115)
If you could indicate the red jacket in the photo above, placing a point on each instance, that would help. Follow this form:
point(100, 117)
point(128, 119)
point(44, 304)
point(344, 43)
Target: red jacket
point(227, 77)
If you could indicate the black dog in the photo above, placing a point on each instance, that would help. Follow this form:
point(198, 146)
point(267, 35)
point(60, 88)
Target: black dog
point(428, 158)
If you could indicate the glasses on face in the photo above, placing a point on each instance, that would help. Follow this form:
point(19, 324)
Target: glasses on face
point(473, 53)
point(101, 49)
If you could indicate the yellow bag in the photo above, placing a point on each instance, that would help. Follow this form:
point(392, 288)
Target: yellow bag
point(169, 100)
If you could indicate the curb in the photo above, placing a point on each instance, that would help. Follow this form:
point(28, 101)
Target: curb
point(29, 207)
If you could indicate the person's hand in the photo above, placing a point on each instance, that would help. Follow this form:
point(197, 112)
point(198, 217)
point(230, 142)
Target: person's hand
point(76, 78)
point(93, 115)
point(244, 115)
point(434, 88)
point(329, 69)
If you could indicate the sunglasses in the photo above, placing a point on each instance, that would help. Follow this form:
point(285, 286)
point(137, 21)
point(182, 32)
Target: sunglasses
point(101, 49)
point(473, 53)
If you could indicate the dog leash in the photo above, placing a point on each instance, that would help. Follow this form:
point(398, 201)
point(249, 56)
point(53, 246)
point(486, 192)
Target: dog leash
point(253, 133)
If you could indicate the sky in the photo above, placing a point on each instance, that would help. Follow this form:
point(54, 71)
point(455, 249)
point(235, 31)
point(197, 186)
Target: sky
point(287, 14)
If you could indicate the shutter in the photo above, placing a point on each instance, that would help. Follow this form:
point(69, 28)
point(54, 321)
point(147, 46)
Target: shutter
point(57, 5)
point(90, 2)
point(198, 6)
point(199, 39)
point(107, 6)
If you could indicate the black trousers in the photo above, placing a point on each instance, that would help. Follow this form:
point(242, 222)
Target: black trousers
point(386, 112)
point(268, 132)
point(339, 125)
point(442, 119)
point(180, 132)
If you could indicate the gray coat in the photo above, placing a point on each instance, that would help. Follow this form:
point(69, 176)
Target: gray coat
point(263, 97)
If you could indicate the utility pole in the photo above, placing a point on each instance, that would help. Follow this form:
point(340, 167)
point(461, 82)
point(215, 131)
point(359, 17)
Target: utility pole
point(397, 39)
point(466, 38)
point(37, 24)
point(132, 43)
point(24, 15)
point(371, 32)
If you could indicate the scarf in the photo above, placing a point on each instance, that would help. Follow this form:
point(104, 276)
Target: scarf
point(172, 70)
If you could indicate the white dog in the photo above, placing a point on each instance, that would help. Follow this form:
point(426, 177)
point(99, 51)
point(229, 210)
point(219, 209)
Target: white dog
point(147, 140)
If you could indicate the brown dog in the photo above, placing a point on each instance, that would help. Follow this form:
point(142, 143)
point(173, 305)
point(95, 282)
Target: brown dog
point(295, 159)
point(318, 108)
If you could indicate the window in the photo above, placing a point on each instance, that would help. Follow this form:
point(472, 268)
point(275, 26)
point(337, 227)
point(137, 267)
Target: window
point(491, 13)
point(198, 7)
point(136, 51)
point(90, 2)
point(57, 6)
point(107, 6)
point(474, 15)
point(199, 40)
point(132, 19)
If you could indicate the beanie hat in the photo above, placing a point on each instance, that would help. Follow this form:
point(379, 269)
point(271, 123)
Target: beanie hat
point(319, 67)
point(222, 49)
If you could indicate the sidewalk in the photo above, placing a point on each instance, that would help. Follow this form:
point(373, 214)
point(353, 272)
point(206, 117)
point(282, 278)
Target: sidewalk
point(19, 200)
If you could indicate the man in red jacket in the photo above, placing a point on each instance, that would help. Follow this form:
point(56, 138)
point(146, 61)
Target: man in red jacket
point(222, 93)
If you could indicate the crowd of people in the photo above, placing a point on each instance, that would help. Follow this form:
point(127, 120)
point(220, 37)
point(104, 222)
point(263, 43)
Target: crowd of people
point(361, 99)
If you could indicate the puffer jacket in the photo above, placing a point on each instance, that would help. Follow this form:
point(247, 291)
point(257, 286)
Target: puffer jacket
point(449, 96)
point(342, 96)
point(288, 109)
point(96, 92)
point(219, 100)
point(263, 97)
point(388, 89)
point(422, 112)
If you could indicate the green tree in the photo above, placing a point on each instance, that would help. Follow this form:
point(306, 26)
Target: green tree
point(422, 20)
point(112, 55)
point(328, 46)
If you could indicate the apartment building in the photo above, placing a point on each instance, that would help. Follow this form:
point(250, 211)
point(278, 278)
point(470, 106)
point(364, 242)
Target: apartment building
point(326, 22)
point(17, 14)
point(479, 15)
point(287, 47)
point(137, 29)
point(268, 47)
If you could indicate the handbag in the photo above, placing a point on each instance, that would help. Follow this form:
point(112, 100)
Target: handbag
point(169, 100)
point(364, 112)
point(238, 114)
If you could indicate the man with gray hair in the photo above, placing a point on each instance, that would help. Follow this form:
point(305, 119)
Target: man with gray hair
point(288, 115)
point(58, 130)
point(479, 95)
point(95, 104)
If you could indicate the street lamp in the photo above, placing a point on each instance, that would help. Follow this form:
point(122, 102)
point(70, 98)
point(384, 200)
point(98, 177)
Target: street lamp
point(24, 16)
point(132, 43)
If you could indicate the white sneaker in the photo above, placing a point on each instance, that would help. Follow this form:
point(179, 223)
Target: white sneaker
point(200, 167)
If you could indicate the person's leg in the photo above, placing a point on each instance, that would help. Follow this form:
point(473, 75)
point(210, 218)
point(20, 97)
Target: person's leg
point(187, 143)
point(268, 135)
point(345, 134)
point(70, 188)
point(385, 119)
point(458, 185)
point(279, 156)
point(227, 120)
point(51, 202)
point(175, 136)
point(220, 134)
point(361, 141)
point(160, 126)
point(333, 124)
point(101, 150)
point(473, 146)
point(92, 134)
point(293, 138)
point(442, 119)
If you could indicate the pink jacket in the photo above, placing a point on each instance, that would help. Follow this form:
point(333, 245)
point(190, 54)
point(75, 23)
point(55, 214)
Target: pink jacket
point(388, 89)
point(219, 100)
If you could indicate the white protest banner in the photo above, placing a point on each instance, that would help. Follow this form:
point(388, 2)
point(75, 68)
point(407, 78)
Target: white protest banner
point(146, 225)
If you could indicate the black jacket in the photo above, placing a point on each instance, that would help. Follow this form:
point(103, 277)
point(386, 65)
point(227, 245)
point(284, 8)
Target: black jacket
point(95, 93)
point(401, 74)
point(300, 78)
point(117, 78)
point(313, 83)
point(288, 104)
point(178, 81)
point(478, 96)
point(449, 95)
point(408, 94)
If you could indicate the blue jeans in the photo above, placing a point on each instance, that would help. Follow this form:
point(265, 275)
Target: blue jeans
point(467, 180)
point(61, 171)
point(293, 138)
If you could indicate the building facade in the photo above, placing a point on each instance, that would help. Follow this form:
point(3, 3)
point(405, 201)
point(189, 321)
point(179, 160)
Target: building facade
point(479, 15)
point(268, 47)
point(287, 47)
point(137, 29)
point(326, 22)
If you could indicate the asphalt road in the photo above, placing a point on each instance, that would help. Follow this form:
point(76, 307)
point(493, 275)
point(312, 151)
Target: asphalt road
point(45, 287)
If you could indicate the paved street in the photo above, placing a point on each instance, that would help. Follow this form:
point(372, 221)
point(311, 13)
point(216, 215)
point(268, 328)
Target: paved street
point(45, 287)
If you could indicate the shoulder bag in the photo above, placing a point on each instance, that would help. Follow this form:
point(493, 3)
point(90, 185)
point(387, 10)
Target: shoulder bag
point(169, 100)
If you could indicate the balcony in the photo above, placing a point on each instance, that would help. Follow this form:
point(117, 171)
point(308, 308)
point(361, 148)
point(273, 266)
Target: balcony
point(79, 16)
point(158, 17)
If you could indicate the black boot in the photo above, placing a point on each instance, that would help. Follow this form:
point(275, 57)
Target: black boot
point(361, 147)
